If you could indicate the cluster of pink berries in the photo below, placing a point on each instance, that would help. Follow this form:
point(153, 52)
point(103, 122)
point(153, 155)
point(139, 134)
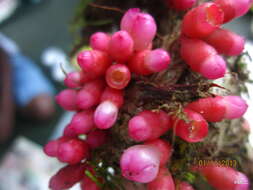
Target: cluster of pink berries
point(203, 40)
point(96, 93)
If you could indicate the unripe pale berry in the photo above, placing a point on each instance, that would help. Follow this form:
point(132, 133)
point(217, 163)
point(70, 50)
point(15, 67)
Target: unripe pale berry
point(157, 60)
point(90, 94)
point(140, 26)
point(207, 62)
point(226, 42)
point(148, 125)
point(118, 76)
point(94, 61)
point(224, 178)
point(113, 95)
point(180, 5)
point(140, 163)
point(63, 180)
point(96, 138)
point(233, 8)
point(74, 79)
point(121, 46)
point(212, 109)
point(164, 147)
point(83, 122)
point(202, 20)
point(193, 131)
point(67, 99)
point(235, 107)
point(106, 114)
point(163, 181)
point(100, 41)
point(73, 151)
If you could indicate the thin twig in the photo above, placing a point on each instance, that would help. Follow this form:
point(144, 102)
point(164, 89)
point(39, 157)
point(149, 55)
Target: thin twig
point(106, 7)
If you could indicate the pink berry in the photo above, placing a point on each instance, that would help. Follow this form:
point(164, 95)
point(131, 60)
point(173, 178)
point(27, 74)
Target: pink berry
point(106, 115)
point(51, 148)
point(100, 41)
point(207, 62)
point(90, 94)
point(63, 180)
point(224, 178)
point(73, 151)
point(163, 181)
point(96, 138)
point(140, 163)
point(89, 184)
point(140, 26)
point(94, 61)
point(184, 186)
point(212, 109)
point(70, 132)
point(74, 79)
point(148, 125)
point(157, 60)
point(67, 99)
point(202, 20)
point(235, 107)
point(181, 5)
point(83, 122)
point(137, 65)
point(118, 76)
point(226, 42)
point(113, 95)
point(164, 148)
point(233, 8)
point(193, 131)
point(121, 46)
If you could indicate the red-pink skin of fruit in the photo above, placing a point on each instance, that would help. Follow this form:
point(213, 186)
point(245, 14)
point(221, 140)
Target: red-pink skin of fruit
point(118, 76)
point(94, 61)
point(73, 151)
point(163, 181)
point(90, 94)
point(69, 131)
point(148, 125)
point(213, 67)
point(51, 148)
point(88, 184)
point(67, 99)
point(206, 62)
point(121, 46)
point(201, 21)
point(113, 95)
point(184, 186)
point(83, 122)
point(157, 60)
point(224, 178)
point(181, 5)
point(140, 163)
point(106, 114)
point(74, 79)
point(100, 41)
point(212, 109)
point(233, 8)
point(164, 148)
point(226, 42)
point(140, 26)
point(67, 177)
point(97, 138)
point(192, 132)
point(235, 107)
point(137, 65)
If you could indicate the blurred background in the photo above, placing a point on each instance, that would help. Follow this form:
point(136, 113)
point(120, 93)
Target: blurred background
point(36, 35)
